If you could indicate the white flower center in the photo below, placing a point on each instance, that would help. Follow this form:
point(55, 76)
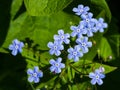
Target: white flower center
point(89, 29)
point(55, 47)
point(81, 10)
point(99, 25)
point(16, 46)
point(97, 77)
point(87, 20)
point(74, 53)
point(62, 37)
point(56, 64)
point(78, 30)
point(83, 44)
point(35, 74)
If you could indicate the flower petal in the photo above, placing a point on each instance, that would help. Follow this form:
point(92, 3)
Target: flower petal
point(30, 71)
point(60, 32)
point(52, 68)
point(14, 52)
point(93, 81)
point(91, 75)
point(59, 60)
point(99, 81)
point(36, 69)
point(40, 74)
point(30, 79)
point(50, 44)
point(52, 61)
point(36, 80)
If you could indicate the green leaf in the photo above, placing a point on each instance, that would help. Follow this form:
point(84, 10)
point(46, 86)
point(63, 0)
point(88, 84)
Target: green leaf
point(95, 45)
point(82, 86)
point(45, 7)
point(39, 29)
point(105, 49)
point(45, 58)
point(101, 6)
point(90, 66)
point(69, 73)
point(16, 4)
point(49, 83)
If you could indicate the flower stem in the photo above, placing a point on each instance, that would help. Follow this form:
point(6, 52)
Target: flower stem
point(32, 87)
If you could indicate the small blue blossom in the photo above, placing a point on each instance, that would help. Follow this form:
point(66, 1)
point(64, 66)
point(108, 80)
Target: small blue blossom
point(56, 65)
point(88, 19)
point(81, 10)
point(35, 74)
point(75, 53)
point(78, 30)
point(97, 77)
point(62, 37)
point(84, 44)
point(90, 28)
point(16, 47)
point(55, 48)
point(100, 25)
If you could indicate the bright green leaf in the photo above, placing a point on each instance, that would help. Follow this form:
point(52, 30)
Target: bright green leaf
point(39, 29)
point(105, 49)
point(45, 7)
point(89, 66)
point(16, 4)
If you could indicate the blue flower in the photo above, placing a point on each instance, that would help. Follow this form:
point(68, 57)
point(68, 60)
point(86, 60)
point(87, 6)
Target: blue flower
point(88, 19)
point(62, 37)
point(97, 77)
point(81, 10)
point(56, 65)
point(90, 28)
point(100, 25)
point(84, 44)
point(55, 48)
point(16, 47)
point(35, 74)
point(78, 30)
point(75, 53)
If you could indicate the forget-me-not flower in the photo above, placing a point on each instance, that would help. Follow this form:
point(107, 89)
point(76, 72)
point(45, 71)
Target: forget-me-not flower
point(90, 28)
point(16, 47)
point(62, 37)
point(78, 30)
point(35, 74)
point(97, 77)
point(84, 44)
point(88, 19)
point(56, 65)
point(81, 9)
point(75, 53)
point(100, 25)
point(55, 48)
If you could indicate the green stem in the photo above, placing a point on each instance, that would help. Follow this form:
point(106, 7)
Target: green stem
point(118, 47)
point(32, 87)
point(76, 70)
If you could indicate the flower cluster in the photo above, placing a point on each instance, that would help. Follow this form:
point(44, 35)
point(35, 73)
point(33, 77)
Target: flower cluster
point(86, 28)
point(82, 32)
point(55, 48)
point(97, 76)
